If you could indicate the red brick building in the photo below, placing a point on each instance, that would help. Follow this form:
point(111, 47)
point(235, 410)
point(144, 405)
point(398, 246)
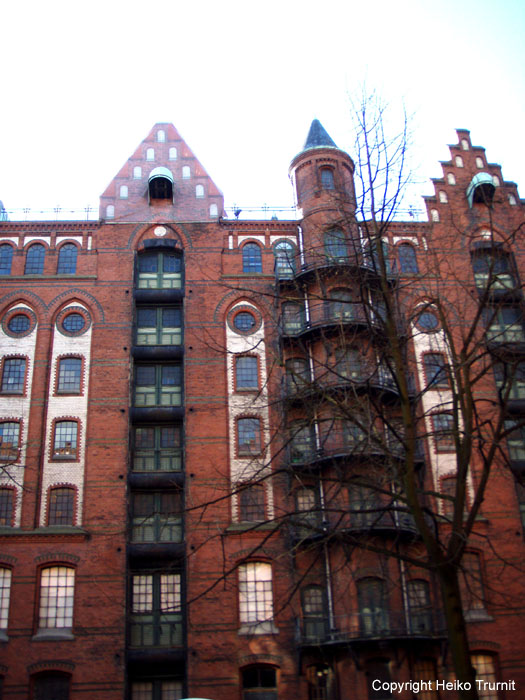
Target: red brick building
point(193, 410)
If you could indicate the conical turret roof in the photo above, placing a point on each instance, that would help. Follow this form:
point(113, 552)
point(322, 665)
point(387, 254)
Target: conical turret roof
point(318, 137)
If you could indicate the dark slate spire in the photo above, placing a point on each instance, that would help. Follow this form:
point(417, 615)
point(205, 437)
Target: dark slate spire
point(318, 137)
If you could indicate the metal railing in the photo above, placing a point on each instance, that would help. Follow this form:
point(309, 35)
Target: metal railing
point(372, 623)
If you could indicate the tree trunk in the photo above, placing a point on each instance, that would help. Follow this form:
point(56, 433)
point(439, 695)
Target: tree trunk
point(457, 633)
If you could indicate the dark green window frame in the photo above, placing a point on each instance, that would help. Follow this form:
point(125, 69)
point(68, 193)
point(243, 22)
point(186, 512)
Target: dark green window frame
point(159, 325)
point(157, 448)
point(158, 385)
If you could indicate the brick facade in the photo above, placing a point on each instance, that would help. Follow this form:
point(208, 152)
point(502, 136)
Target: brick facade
point(190, 578)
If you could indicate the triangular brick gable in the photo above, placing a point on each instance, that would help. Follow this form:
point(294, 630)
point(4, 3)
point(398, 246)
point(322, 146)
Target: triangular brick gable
point(195, 197)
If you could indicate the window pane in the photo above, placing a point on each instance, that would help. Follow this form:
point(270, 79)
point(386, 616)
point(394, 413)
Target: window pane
point(5, 593)
point(69, 373)
point(51, 686)
point(244, 321)
point(156, 612)
point(157, 449)
point(251, 258)
point(35, 260)
point(407, 258)
point(485, 669)
point(248, 436)
point(284, 259)
point(335, 244)
point(443, 425)
point(67, 259)
point(7, 499)
point(435, 370)
point(57, 587)
point(327, 178)
point(145, 375)
point(65, 444)
point(246, 375)
point(73, 323)
point(255, 592)
point(251, 501)
point(13, 376)
point(19, 323)
point(372, 607)
point(61, 507)
point(9, 435)
point(6, 258)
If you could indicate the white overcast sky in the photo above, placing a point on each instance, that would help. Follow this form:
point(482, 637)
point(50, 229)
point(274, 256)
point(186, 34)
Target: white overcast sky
point(83, 83)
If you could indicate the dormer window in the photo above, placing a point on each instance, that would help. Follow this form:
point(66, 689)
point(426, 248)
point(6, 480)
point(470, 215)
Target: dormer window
point(481, 189)
point(160, 184)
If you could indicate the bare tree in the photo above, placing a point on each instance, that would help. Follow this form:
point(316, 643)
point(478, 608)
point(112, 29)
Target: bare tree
point(390, 422)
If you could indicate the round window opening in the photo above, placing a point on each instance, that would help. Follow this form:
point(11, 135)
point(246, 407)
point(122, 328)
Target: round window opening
point(244, 321)
point(73, 323)
point(428, 321)
point(19, 323)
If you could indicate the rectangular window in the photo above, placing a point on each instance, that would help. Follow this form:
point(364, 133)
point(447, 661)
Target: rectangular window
point(246, 373)
point(13, 376)
point(7, 499)
point(485, 669)
point(251, 503)
point(156, 690)
point(471, 581)
point(255, 593)
point(156, 618)
point(161, 325)
point(425, 670)
point(157, 517)
point(61, 507)
point(51, 686)
point(259, 683)
point(57, 589)
point(436, 374)
point(443, 427)
point(157, 448)
point(69, 373)
point(493, 269)
point(510, 381)
point(515, 442)
point(248, 436)
point(5, 593)
point(159, 270)
point(505, 325)
point(158, 385)
point(65, 442)
point(9, 436)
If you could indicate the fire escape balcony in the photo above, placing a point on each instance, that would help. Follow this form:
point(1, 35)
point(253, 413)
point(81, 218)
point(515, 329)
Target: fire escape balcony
point(330, 316)
point(374, 625)
point(380, 380)
point(315, 263)
point(302, 452)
